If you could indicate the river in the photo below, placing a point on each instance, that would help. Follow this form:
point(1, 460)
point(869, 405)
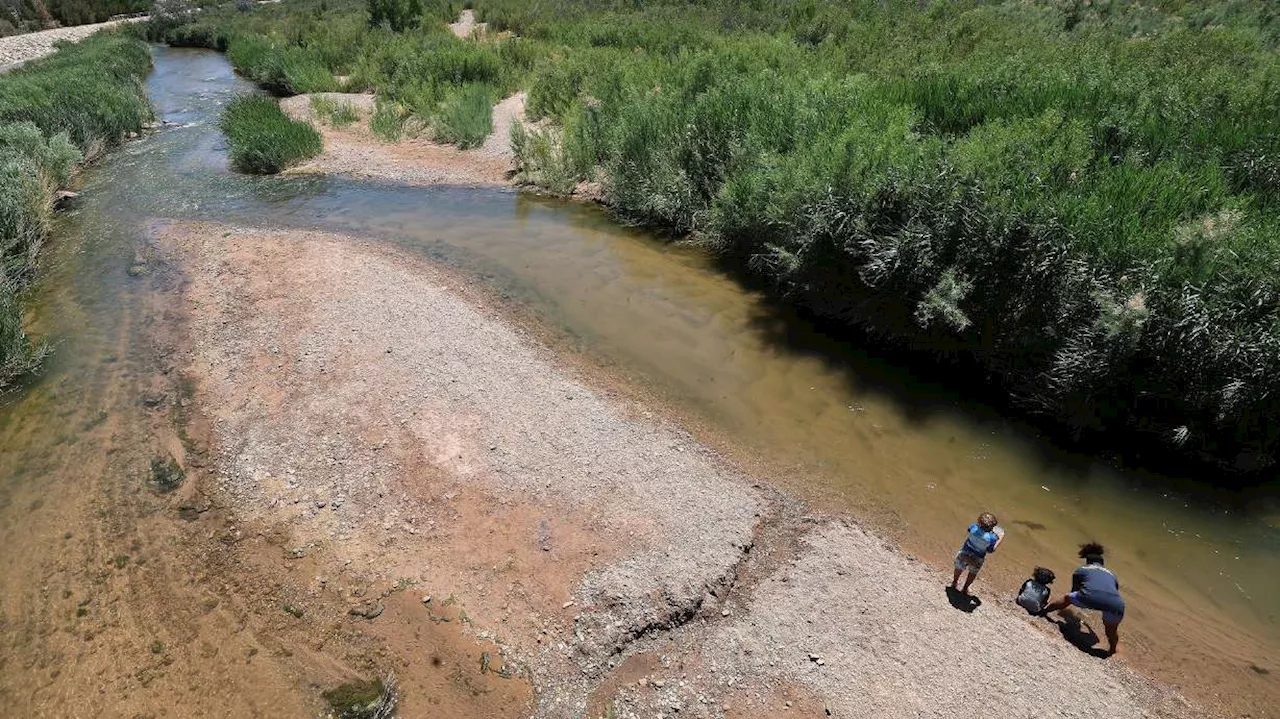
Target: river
point(833, 422)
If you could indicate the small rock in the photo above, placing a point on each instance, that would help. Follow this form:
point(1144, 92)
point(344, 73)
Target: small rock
point(724, 613)
point(426, 599)
point(321, 504)
point(567, 604)
point(368, 610)
point(819, 662)
point(659, 683)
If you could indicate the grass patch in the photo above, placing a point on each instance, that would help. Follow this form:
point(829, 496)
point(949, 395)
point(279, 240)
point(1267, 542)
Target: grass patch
point(465, 118)
point(336, 113)
point(55, 113)
point(388, 121)
point(262, 139)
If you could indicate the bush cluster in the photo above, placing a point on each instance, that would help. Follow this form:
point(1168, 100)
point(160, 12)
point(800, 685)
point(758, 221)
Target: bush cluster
point(55, 113)
point(262, 140)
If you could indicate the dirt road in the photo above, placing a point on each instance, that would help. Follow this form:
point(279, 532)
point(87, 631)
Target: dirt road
point(379, 417)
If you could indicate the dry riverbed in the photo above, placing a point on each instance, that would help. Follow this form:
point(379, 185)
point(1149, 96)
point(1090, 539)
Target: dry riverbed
point(397, 445)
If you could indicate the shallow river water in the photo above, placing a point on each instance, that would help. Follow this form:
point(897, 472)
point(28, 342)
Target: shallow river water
point(841, 426)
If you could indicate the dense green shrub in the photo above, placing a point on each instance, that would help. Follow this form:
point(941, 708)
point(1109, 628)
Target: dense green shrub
point(54, 112)
point(285, 70)
point(262, 139)
point(1074, 202)
point(92, 91)
point(466, 116)
point(397, 15)
point(1083, 217)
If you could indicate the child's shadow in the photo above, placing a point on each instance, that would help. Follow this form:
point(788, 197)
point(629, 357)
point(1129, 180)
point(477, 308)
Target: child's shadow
point(1080, 635)
point(964, 602)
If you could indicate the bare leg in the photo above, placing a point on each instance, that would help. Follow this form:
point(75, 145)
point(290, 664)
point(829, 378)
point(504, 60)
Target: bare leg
point(1058, 605)
point(967, 581)
point(956, 579)
point(1113, 635)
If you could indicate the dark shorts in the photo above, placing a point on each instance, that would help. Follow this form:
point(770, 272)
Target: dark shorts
point(1112, 608)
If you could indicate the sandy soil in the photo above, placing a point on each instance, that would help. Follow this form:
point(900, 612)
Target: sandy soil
point(376, 415)
point(354, 150)
point(117, 600)
point(17, 49)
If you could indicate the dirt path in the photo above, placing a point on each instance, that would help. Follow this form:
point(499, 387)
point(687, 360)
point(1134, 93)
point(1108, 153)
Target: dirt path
point(466, 26)
point(17, 49)
point(378, 416)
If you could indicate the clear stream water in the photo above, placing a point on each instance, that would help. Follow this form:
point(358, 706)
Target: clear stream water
point(1201, 576)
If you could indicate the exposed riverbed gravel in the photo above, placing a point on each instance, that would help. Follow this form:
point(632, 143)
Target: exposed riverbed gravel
point(390, 418)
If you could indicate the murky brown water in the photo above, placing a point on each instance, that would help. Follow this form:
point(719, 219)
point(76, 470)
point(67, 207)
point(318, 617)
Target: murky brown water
point(1201, 577)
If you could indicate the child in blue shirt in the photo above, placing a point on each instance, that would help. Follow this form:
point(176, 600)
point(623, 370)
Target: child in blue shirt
point(984, 537)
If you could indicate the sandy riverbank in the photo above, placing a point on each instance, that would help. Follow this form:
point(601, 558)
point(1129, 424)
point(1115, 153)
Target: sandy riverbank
point(354, 150)
point(388, 419)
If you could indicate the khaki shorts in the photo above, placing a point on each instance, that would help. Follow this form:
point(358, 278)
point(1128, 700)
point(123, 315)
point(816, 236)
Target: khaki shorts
point(971, 562)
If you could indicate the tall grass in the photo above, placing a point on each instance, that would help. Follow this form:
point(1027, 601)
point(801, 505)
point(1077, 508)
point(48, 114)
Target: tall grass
point(1076, 203)
point(1083, 216)
point(262, 139)
point(447, 86)
point(334, 112)
point(55, 113)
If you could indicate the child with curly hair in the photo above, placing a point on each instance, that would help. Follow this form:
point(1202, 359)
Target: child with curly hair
point(984, 536)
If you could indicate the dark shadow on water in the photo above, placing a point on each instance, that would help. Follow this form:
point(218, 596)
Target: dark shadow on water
point(924, 384)
point(1080, 635)
point(964, 602)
